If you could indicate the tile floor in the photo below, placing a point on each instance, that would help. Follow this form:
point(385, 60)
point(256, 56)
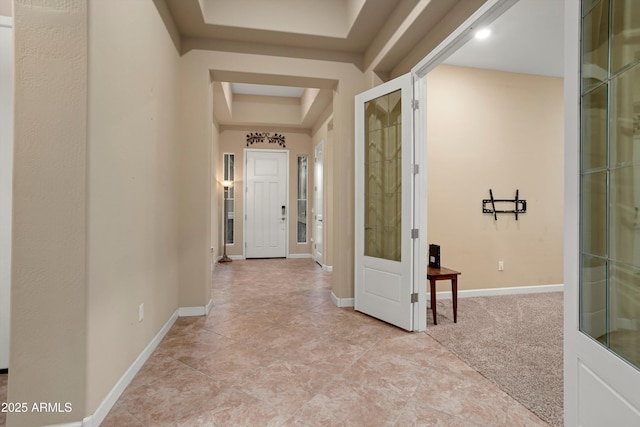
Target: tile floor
point(275, 351)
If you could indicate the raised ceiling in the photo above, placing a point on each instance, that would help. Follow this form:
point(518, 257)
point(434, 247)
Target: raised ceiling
point(373, 35)
point(383, 36)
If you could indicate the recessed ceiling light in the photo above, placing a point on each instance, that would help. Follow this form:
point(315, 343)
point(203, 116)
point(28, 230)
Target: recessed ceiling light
point(483, 33)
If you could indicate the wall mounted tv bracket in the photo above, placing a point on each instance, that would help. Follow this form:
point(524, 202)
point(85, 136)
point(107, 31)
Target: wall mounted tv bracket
point(489, 205)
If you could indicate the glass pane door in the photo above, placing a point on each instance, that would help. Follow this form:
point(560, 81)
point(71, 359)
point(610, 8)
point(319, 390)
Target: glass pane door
point(384, 202)
point(383, 177)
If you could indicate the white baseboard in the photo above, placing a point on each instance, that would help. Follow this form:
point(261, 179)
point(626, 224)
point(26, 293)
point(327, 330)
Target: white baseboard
point(6, 21)
point(328, 268)
point(103, 410)
point(342, 302)
point(195, 311)
point(470, 293)
point(77, 423)
point(299, 256)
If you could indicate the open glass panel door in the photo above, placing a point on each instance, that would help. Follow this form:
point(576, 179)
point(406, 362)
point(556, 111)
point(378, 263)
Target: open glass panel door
point(384, 203)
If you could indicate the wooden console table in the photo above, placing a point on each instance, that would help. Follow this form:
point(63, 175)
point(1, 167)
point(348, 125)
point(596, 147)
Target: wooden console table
point(442, 273)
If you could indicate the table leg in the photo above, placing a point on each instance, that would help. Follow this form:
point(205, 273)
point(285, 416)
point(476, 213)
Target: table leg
point(454, 289)
point(432, 285)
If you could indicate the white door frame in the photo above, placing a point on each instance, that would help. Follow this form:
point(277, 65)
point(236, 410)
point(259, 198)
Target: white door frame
point(6, 168)
point(244, 199)
point(486, 14)
point(318, 183)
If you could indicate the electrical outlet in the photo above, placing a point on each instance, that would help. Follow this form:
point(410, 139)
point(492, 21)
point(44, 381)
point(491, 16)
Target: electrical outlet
point(500, 265)
point(140, 312)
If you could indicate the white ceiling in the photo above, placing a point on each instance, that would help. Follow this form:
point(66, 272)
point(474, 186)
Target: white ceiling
point(527, 38)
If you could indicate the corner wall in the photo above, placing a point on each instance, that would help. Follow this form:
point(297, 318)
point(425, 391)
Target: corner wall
point(504, 131)
point(133, 193)
point(195, 127)
point(5, 8)
point(217, 193)
point(48, 294)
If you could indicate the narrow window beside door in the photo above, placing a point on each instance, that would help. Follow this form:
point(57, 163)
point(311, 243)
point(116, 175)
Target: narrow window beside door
point(302, 199)
point(229, 196)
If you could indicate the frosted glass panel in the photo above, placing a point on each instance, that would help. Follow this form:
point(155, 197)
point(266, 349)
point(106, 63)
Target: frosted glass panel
point(625, 23)
point(625, 222)
point(594, 213)
point(595, 45)
point(593, 297)
point(383, 177)
point(594, 129)
point(624, 312)
point(625, 118)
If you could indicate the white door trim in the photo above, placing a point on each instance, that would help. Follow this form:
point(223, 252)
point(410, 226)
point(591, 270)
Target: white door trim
point(244, 198)
point(6, 168)
point(486, 14)
point(318, 183)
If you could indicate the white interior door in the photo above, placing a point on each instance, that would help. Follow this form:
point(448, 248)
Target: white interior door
point(601, 199)
point(6, 168)
point(318, 240)
point(384, 203)
point(266, 207)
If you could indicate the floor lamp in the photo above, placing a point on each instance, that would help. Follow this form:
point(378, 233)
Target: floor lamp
point(226, 185)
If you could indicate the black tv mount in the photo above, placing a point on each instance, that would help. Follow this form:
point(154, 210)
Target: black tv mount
point(489, 205)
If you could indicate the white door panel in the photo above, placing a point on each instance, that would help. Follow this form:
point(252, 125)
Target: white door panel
point(318, 238)
point(266, 176)
point(601, 304)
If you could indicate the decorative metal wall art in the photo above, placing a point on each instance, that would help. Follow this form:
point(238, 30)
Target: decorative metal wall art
point(489, 205)
point(255, 137)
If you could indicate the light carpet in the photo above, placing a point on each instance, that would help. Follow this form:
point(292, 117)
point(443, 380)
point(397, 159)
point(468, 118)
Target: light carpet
point(515, 341)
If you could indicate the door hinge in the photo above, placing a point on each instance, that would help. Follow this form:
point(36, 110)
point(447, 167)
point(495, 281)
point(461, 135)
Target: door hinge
point(416, 169)
point(414, 298)
point(414, 233)
point(415, 104)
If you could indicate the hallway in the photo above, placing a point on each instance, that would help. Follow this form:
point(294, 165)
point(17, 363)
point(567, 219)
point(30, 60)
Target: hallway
point(276, 351)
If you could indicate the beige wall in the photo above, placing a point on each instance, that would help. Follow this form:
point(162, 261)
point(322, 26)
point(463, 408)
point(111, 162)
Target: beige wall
point(48, 295)
point(5, 8)
point(216, 196)
point(133, 194)
point(195, 133)
point(503, 131)
point(235, 142)
point(264, 111)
